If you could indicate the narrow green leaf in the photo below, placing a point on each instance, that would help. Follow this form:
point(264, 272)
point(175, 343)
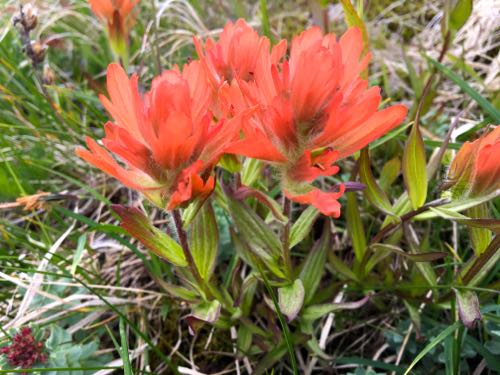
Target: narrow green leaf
point(314, 266)
point(373, 192)
point(457, 206)
point(266, 28)
point(256, 232)
point(124, 354)
point(415, 257)
point(77, 257)
point(302, 227)
point(460, 14)
point(252, 170)
point(389, 174)
point(491, 224)
point(414, 168)
point(317, 311)
point(435, 341)
point(485, 104)
point(284, 326)
point(355, 227)
point(479, 267)
point(158, 242)
point(204, 240)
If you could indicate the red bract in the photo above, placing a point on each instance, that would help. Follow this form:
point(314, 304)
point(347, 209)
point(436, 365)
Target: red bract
point(166, 138)
point(475, 171)
point(117, 14)
point(236, 53)
point(24, 351)
point(314, 109)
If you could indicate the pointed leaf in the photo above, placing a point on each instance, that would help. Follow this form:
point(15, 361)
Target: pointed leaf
point(460, 14)
point(414, 168)
point(204, 312)
point(317, 311)
point(252, 170)
point(156, 241)
point(373, 192)
point(355, 227)
point(484, 103)
point(291, 299)
point(204, 241)
point(255, 231)
point(314, 266)
point(302, 227)
point(491, 224)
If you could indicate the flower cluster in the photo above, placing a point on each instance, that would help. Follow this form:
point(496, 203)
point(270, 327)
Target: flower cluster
point(24, 351)
point(300, 113)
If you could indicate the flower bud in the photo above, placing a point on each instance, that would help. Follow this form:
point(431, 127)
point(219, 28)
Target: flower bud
point(37, 51)
point(475, 171)
point(27, 17)
point(48, 76)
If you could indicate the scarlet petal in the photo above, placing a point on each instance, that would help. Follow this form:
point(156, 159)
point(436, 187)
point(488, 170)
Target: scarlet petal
point(376, 126)
point(191, 185)
point(325, 202)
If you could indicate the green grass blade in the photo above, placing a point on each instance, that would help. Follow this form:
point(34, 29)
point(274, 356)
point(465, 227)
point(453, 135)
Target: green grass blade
point(435, 341)
point(485, 104)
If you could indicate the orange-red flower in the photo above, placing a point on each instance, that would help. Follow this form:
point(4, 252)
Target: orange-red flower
point(166, 138)
point(117, 14)
point(475, 170)
point(236, 53)
point(314, 109)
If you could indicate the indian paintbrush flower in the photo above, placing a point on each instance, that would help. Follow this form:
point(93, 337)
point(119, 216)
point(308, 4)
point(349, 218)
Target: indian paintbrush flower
point(314, 109)
point(119, 18)
point(166, 138)
point(475, 170)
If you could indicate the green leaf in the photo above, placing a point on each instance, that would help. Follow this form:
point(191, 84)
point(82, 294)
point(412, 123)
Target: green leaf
point(355, 227)
point(457, 206)
point(77, 257)
point(435, 341)
point(373, 192)
point(317, 311)
point(415, 257)
point(302, 227)
point(252, 170)
point(156, 241)
point(124, 353)
point(266, 28)
point(460, 14)
point(291, 299)
point(479, 230)
point(479, 267)
point(204, 241)
point(389, 174)
point(314, 266)
point(491, 224)
point(485, 104)
point(414, 168)
point(255, 231)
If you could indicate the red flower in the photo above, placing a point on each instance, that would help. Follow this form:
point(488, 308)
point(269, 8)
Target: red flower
point(24, 351)
point(237, 53)
point(475, 171)
point(117, 14)
point(315, 108)
point(166, 138)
